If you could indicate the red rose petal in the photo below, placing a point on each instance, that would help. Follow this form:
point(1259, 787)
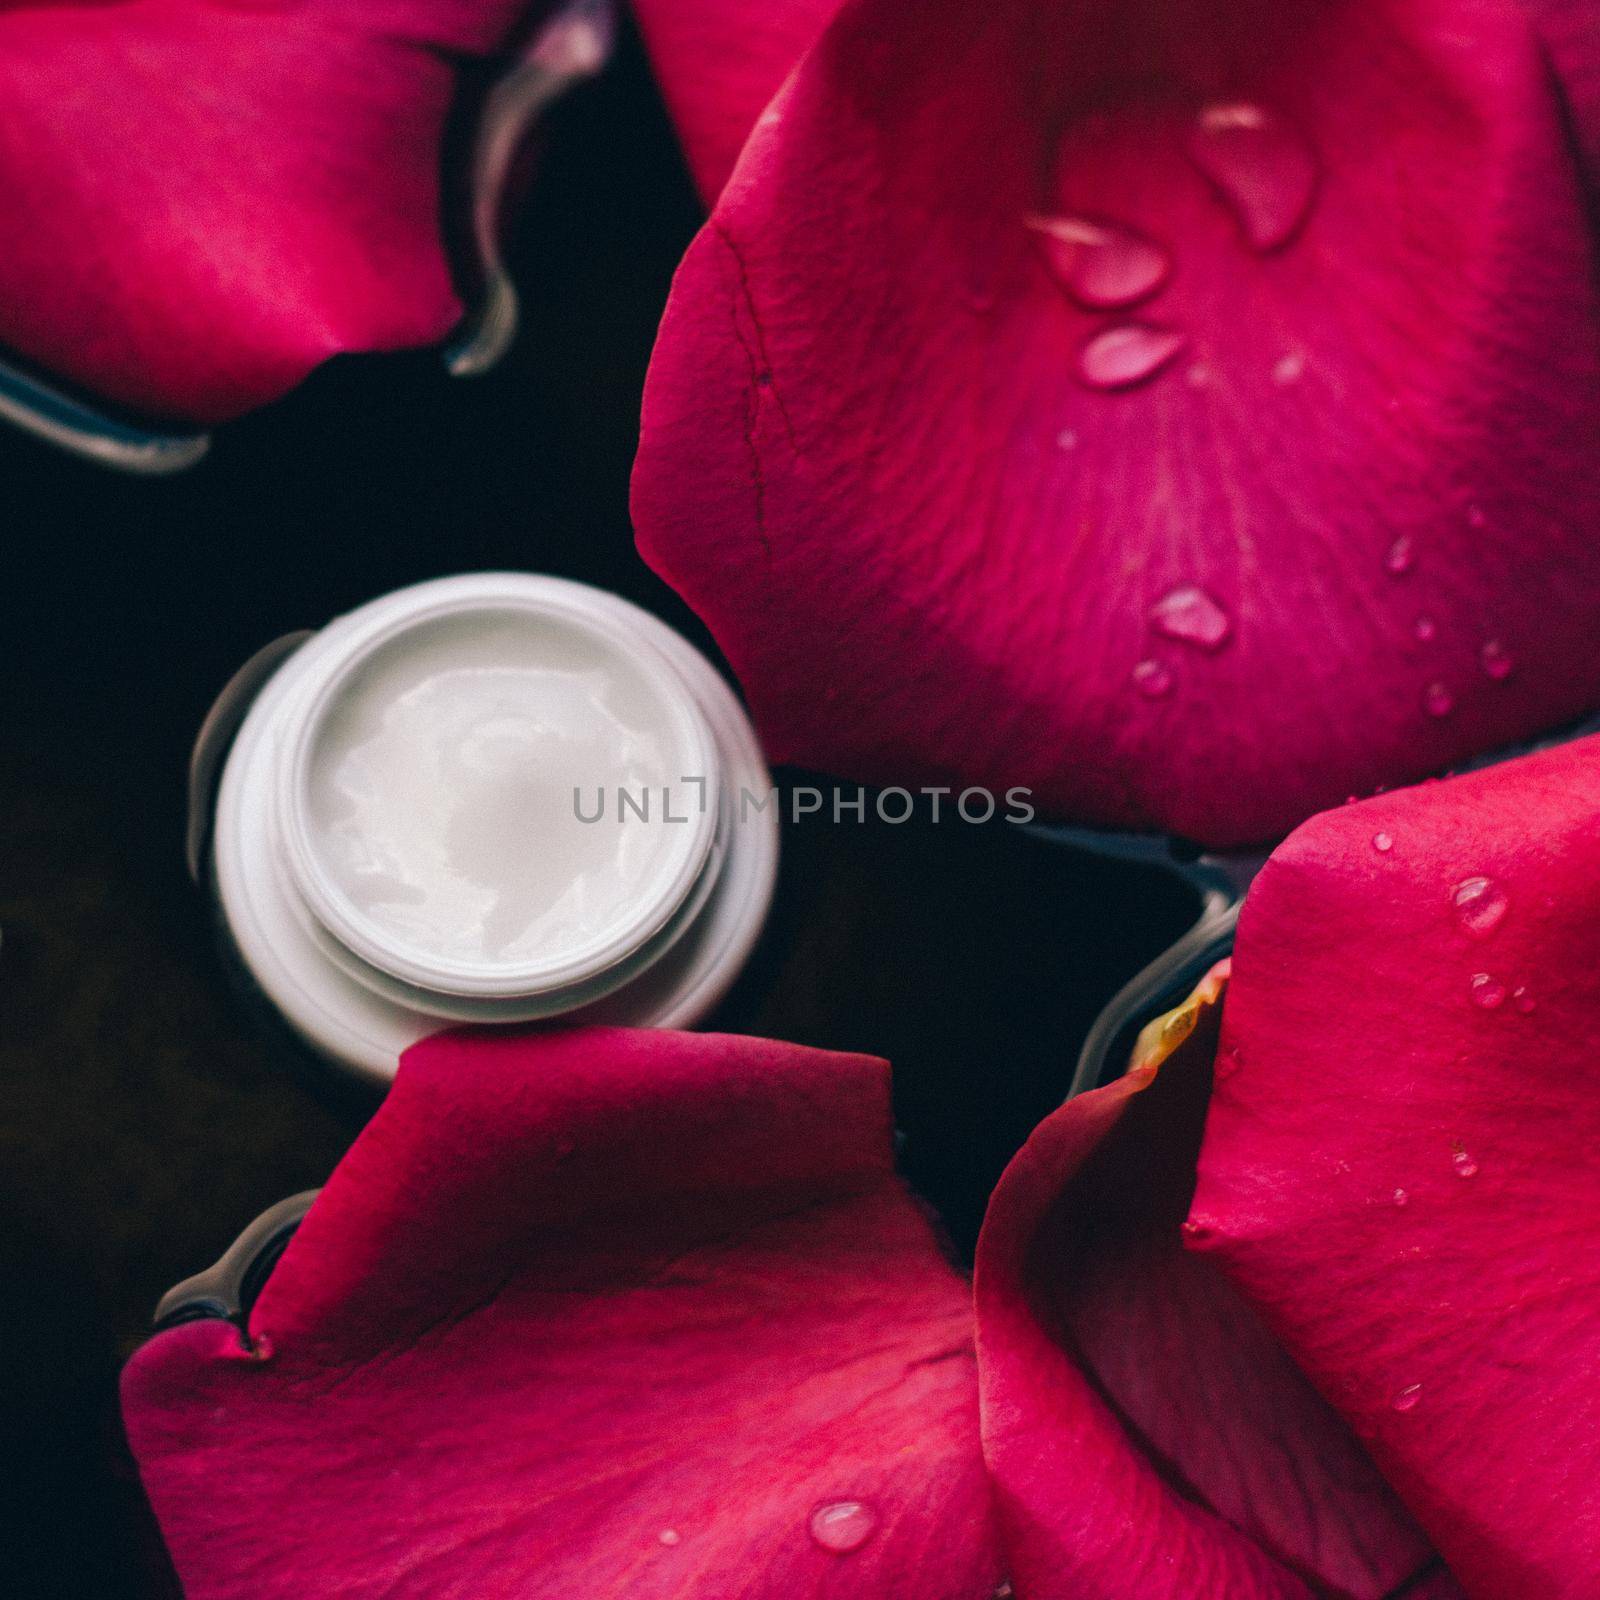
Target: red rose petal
point(210, 200)
point(591, 1314)
point(720, 62)
point(933, 551)
point(1146, 1437)
point(1401, 1172)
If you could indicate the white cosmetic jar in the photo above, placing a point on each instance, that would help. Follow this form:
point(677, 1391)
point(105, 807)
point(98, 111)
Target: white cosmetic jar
point(494, 798)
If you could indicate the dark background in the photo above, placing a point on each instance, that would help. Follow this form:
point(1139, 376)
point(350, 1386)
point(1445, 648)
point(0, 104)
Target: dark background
point(143, 1118)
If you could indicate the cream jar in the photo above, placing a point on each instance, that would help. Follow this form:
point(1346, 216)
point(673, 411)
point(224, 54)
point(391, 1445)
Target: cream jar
point(495, 798)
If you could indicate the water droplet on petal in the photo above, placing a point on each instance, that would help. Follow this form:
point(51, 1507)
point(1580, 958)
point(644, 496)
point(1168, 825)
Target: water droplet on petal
point(1129, 353)
point(1067, 439)
point(1407, 1397)
point(1476, 517)
point(1437, 700)
point(1401, 557)
point(1401, 1198)
point(261, 1346)
point(1229, 1062)
point(1497, 660)
point(843, 1525)
point(1488, 993)
point(1424, 629)
point(1523, 999)
point(1463, 1164)
point(1190, 615)
point(1481, 905)
point(1260, 164)
point(1199, 376)
point(1383, 843)
point(1102, 265)
point(1289, 369)
point(1152, 680)
point(668, 1536)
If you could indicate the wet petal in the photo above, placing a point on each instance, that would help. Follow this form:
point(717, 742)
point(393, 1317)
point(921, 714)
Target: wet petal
point(1146, 1436)
point(588, 1314)
point(1402, 1177)
point(935, 497)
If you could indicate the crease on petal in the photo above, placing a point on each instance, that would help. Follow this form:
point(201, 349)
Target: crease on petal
point(1570, 30)
point(602, 1312)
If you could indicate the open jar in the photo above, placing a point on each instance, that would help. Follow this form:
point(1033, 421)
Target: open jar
point(494, 798)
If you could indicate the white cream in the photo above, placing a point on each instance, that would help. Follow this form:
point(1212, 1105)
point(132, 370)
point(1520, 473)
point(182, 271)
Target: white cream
point(446, 782)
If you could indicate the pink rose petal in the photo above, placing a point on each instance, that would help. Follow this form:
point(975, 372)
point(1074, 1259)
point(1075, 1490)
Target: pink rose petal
point(591, 1314)
point(210, 200)
point(720, 62)
point(1146, 1437)
point(850, 462)
point(1458, 1331)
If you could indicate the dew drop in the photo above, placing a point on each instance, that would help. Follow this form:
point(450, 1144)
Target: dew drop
point(668, 1536)
point(843, 1525)
point(1067, 439)
point(1497, 660)
point(1522, 998)
point(1152, 680)
point(1199, 376)
point(1289, 368)
point(261, 1346)
point(1437, 700)
point(1425, 629)
point(1260, 164)
point(1129, 353)
point(1401, 557)
point(1476, 517)
point(1406, 1398)
point(1463, 1164)
point(1488, 993)
point(1229, 1061)
point(1102, 265)
point(1401, 1198)
point(1481, 905)
point(1191, 616)
point(1383, 843)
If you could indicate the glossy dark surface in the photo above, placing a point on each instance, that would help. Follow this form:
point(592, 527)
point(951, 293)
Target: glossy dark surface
point(144, 1117)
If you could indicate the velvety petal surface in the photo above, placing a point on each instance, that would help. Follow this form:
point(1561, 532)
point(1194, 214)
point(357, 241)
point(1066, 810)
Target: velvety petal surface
point(1400, 1166)
point(1184, 411)
point(207, 200)
point(605, 1313)
point(719, 63)
point(1147, 1438)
